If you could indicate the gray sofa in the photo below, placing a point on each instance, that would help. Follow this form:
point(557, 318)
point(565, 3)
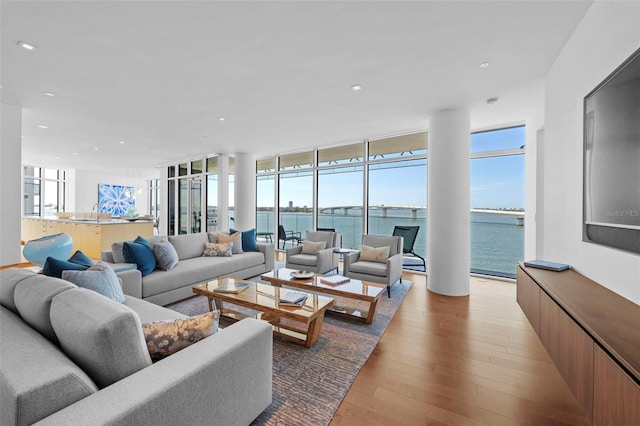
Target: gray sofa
point(164, 287)
point(71, 356)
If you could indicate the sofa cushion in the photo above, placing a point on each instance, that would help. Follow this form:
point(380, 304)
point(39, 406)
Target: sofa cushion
point(303, 260)
point(197, 270)
point(116, 248)
point(166, 256)
point(218, 249)
point(165, 338)
point(150, 312)
point(100, 278)
point(325, 236)
point(33, 298)
point(9, 278)
point(369, 268)
point(103, 337)
point(53, 267)
point(234, 239)
point(29, 392)
point(189, 246)
point(374, 254)
point(141, 254)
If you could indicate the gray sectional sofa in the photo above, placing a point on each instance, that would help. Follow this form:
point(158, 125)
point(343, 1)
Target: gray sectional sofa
point(164, 287)
point(71, 356)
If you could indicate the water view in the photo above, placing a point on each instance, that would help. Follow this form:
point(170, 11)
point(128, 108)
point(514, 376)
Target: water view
point(497, 238)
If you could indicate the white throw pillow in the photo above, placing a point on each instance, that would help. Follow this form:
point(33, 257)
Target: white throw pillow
point(313, 247)
point(374, 254)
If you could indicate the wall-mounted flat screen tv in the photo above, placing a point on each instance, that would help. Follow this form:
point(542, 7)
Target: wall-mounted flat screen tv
point(115, 199)
point(612, 159)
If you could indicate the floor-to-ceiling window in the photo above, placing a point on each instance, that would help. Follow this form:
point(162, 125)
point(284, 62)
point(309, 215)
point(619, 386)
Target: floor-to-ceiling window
point(212, 194)
point(44, 191)
point(398, 187)
point(295, 193)
point(340, 188)
point(265, 198)
point(185, 197)
point(497, 201)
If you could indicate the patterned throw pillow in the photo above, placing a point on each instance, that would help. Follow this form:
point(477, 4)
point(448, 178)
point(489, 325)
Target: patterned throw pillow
point(165, 338)
point(166, 256)
point(374, 254)
point(218, 249)
point(312, 247)
point(100, 278)
point(235, 239)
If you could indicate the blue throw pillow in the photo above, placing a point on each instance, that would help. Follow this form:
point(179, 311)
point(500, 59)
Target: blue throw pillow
point(141, 255)
point(81, 259)
point(142, 240)
point(248, 239)
point(100, 278)
point(53, 267)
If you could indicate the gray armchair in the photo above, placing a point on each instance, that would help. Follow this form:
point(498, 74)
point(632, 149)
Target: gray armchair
point(367, 270)
point(323, 260)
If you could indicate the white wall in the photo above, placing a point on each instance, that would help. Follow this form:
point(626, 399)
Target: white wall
point(608, 34)
point(83, 187)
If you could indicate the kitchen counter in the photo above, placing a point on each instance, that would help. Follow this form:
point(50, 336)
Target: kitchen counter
point(89, 236)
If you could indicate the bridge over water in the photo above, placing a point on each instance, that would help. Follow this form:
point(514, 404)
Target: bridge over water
point(518, 214)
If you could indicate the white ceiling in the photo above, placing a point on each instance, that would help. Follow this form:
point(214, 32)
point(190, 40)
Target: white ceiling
point(158, 74)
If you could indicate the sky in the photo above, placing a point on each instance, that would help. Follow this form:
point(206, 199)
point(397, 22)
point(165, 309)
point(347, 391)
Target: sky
point(496, 182)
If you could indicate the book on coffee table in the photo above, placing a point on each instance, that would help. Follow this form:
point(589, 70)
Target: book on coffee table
point(293, 298)
point(335, 280)
point(229, 286)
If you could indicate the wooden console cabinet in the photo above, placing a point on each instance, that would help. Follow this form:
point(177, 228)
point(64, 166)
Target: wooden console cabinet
point(592, 335)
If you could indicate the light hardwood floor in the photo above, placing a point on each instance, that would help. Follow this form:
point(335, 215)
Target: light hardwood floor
point(458, 361)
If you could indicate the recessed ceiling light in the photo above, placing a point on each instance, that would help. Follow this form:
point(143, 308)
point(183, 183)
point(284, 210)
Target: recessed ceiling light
point(43, 126)
point(95, 148)
point(26, 45)
point(492, 101)
point(121, 142)
point(221, 118)
point(49, 94)
point(74, 153)
point(356, 87)
point(484, 65)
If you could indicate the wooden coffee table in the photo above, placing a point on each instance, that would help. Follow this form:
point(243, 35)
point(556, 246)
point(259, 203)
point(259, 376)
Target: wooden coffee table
point(297, 324)
point(354, 289)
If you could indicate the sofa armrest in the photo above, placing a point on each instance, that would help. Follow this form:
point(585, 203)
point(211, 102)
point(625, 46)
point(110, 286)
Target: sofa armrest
point(348, 259)
point(269, 250)
point(293, 251)
point(131, 282)
point(395, 266)
point(326, 260)
point(225, 379)
point(107, 256)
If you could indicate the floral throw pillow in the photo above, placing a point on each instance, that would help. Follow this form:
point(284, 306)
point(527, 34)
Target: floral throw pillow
point(218, 249)
point(165, 338)
point(235, 239)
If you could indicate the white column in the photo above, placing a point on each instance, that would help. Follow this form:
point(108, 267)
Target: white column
point(223, 193)
point(245, 192)
point(10, 183)
point(448, 227)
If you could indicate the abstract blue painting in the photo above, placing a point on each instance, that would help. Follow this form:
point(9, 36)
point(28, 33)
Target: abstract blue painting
point(116, 199)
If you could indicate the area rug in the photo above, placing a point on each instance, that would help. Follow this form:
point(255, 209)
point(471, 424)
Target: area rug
point(309, 384)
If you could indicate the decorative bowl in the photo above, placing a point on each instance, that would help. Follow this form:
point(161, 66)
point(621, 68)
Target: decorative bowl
point(302, 274)
point(63, 215)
